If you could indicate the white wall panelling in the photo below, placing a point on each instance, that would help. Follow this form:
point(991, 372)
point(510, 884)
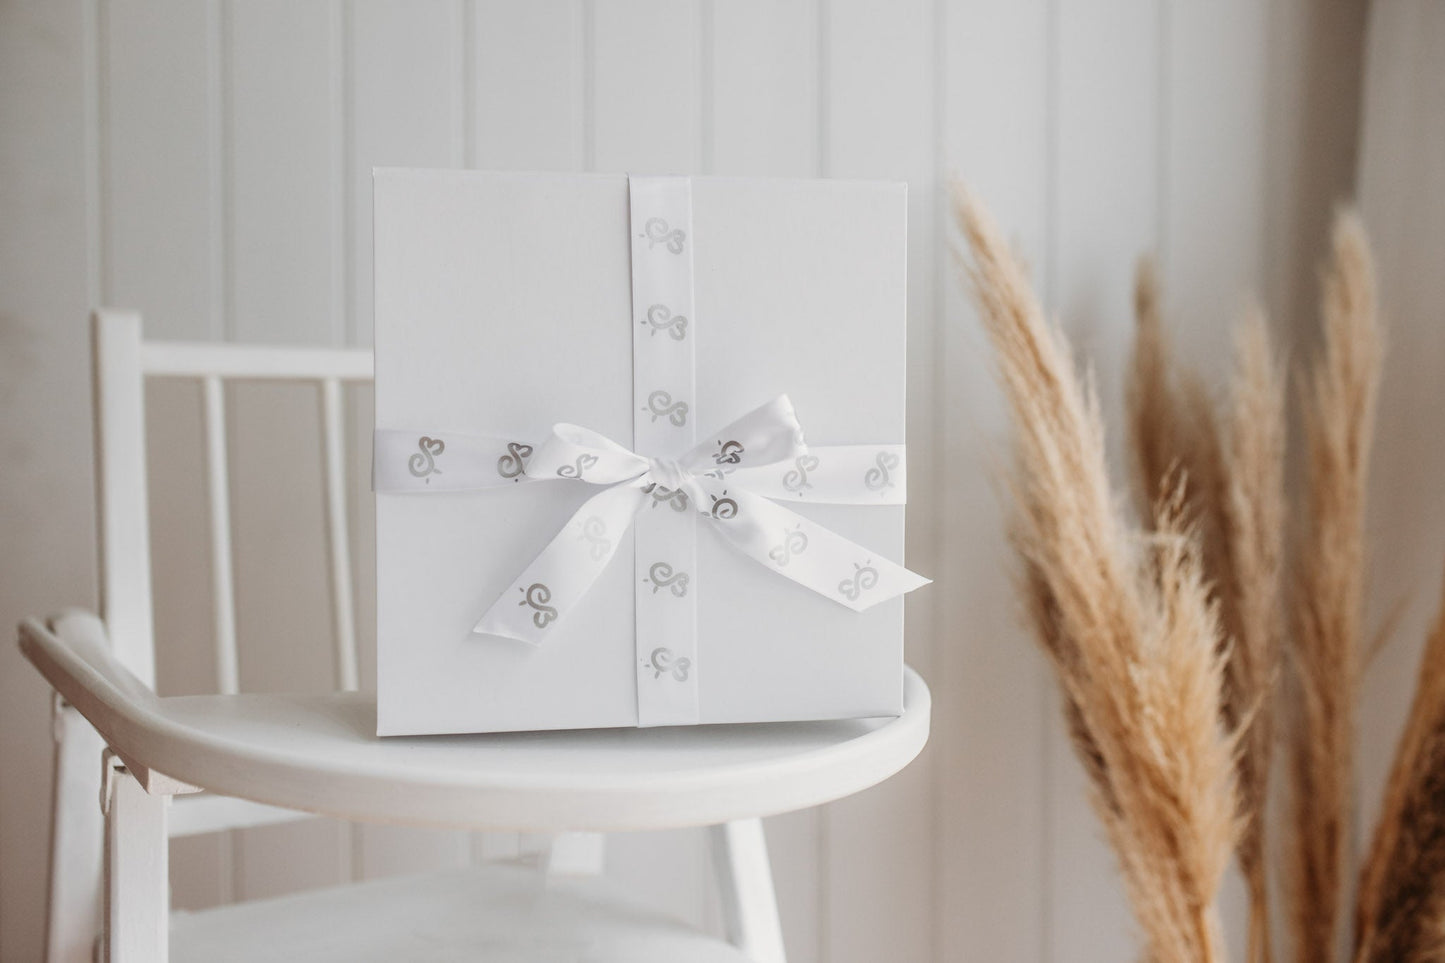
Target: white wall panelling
point(226, 194)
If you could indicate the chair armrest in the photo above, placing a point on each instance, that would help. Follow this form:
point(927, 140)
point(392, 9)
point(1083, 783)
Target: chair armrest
point(73, 653)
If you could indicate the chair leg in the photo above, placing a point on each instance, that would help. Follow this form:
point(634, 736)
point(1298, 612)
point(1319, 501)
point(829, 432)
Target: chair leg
point(576, 854)
point(137, 892)
point(745, 886)
point(72, 912)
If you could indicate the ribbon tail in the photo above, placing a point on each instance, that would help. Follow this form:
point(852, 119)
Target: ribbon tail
point(550, 588)
point(812, 555)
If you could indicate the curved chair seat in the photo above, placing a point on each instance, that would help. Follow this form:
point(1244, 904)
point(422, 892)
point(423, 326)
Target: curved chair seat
point(319, 753)
point(505, 914)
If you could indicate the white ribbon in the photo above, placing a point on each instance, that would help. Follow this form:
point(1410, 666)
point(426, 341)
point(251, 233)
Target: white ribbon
point(714, 481)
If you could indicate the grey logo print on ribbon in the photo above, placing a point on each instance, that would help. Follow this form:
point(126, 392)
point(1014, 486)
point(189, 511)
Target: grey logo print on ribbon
point(513, 463)
point(728, 453)
point(864, 577)
point(796, 479)
point(660, 232)
point(423, 463)
point(537, 596)
point(794, 542)
point(575, 470)
point(675, 497)
point(662, 319)
point(594, 530)
point(662, 661)
point(661, 405)
point(662, 576)
point(723, 507)
point(877, 478)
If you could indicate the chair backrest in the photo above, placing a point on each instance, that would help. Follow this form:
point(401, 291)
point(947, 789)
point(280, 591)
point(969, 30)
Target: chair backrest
point(122, 362)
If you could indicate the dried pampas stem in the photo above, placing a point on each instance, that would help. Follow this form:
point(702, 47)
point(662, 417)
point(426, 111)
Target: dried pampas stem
point(1338, 403)
point(1172, 427)
point(1250, 589)
point(1234, 497)
point(1132, 634)
point(1400, 910)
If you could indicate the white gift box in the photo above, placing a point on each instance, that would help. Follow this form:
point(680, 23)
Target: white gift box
point(504, 306)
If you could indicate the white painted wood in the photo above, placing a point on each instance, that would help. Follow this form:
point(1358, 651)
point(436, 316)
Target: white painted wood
point(992, 792)
point(284, 184)
point(137, 899)
point(407, 106)
point(120, 486)
point(154, 113)
point(214, 168)
point(577, 854)
point(73, 906)
point(319, 753)
point(337, 541)
point(218, 485)
point(745, 888)
point(1208, 274)
point(645, 87)
point(503, 913)
point(526, 85)
point(178, 359)
point(194, 815)
point(763, 57)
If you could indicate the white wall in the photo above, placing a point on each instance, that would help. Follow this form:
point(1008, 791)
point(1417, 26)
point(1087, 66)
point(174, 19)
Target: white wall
point(1402, 197)
point(206, 162)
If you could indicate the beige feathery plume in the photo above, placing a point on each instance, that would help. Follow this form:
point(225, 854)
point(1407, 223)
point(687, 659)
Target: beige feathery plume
point(1172, 428)
point(1325, 637)
point(1249, 585)
point(1132, 635)
point(1234, 498)
point(1400, 908)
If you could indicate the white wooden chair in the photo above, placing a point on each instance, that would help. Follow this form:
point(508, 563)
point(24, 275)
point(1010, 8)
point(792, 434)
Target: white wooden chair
point(160, 767)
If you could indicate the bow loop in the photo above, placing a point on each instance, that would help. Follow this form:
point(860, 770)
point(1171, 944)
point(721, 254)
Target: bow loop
point(766, 435)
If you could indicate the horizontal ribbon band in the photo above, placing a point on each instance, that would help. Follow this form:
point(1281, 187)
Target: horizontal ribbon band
point(734, 482)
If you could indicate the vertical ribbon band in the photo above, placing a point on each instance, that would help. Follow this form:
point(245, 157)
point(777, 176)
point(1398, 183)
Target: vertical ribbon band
point(664, 400)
